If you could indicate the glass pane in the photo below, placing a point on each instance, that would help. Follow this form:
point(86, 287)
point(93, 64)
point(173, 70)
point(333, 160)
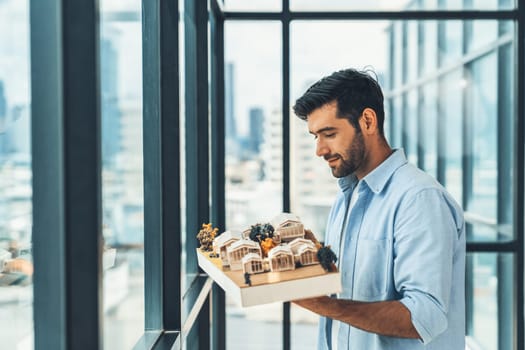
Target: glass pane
point(396, 134)
point(394, 5)
point(122, 172)
point(410, 134)
point(450, 42)
point(428, 117)
point(428, 42)
point(304, 328)
point(482, 103)
point(506, 112)
point(412, 49)
point(253, 5)
point(314, 187)
point(16, 263)
point(490, 305)
point(397, 50)
point(254, 172)
point(451, 146)
point(482, 33)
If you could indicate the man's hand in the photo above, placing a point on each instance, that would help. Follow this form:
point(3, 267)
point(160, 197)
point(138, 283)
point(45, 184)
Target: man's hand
point(390, 318)
point(311, 303)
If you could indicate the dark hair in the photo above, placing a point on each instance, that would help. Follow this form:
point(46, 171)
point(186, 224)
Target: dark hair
point(353, 91)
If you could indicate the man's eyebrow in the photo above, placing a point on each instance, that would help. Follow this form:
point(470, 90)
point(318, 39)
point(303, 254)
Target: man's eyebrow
point(326, 128)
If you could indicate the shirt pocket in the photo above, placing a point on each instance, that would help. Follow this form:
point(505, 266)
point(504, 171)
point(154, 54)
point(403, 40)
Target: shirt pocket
point(373, 260)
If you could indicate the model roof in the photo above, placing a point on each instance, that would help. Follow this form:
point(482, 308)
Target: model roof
point(226, 236)
point(284, 217)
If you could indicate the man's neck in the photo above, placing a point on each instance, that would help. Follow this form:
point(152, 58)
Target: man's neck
point(376, 154)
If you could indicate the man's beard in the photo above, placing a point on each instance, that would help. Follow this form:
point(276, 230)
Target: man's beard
point(352, 159)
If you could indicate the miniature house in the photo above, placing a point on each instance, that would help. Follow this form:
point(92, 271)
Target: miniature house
point(237, 250)
point(252, 263)
point(222, 242)
point(246, 233)
point(281, 259)
point(298, 242)
point(307, 255)
point(288, 227)
point(304, 250)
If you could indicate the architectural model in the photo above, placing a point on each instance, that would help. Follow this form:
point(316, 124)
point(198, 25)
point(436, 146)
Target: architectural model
point(268, 262)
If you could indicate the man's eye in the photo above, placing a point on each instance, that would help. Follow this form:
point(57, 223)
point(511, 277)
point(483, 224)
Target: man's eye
point(330, 135)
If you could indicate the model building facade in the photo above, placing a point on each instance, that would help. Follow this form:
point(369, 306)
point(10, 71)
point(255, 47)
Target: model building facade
point(250, 251)
point(222, 242)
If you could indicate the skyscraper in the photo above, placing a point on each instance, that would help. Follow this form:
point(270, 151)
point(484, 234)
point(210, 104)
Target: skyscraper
point(17, 135)
point(3, 104)
point(3, 117)
point(229, 108)
point(111, 114)
point(256, 129)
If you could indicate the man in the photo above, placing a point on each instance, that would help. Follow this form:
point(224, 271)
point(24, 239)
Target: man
point(399, 236)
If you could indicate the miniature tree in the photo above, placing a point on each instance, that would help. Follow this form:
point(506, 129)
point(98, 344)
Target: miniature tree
point(259, 232)
point(327, 258)
point(266, 245)
point(206, 236)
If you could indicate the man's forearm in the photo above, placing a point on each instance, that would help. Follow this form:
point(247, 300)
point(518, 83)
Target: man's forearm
point(390, 318)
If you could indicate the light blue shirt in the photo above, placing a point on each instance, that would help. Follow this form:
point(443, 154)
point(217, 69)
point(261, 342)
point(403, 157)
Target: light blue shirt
point(404, 240)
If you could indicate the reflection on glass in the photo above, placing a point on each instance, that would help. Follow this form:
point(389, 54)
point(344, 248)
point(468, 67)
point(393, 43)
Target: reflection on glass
point(450, 41)
point(412, 49)
point(429, 42)
point(122, 188)
point(395, 31)
point(254, 172)
point(429, 119)
point(410, 132)
point(451, 88)
point(483, 33)
point(488, 279)
point(482, 90)
point(16, 263)
point(396, 120)
point(506, 112)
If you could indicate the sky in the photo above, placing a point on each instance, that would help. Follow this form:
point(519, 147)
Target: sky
point(260, 86)
point(317, 49)
point(14, 50)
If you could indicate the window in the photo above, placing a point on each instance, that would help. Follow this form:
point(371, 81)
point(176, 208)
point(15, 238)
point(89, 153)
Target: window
point(16, 262)
point(452, 84)
point(122, 172)
point(254, 172)
point(462, 134)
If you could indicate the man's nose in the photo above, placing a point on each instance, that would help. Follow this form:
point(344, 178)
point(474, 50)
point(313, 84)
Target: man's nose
point(321, 149)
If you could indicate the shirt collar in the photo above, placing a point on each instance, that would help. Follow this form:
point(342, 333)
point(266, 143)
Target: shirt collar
point(377, 178)
point(348, 182)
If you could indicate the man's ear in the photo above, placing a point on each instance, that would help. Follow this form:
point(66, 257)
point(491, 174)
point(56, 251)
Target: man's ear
point(368, 121)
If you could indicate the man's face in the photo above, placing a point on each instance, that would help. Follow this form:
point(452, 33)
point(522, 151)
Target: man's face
point(338, 142)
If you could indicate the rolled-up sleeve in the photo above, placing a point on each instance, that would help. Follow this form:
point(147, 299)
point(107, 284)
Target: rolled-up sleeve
point(424, 238)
